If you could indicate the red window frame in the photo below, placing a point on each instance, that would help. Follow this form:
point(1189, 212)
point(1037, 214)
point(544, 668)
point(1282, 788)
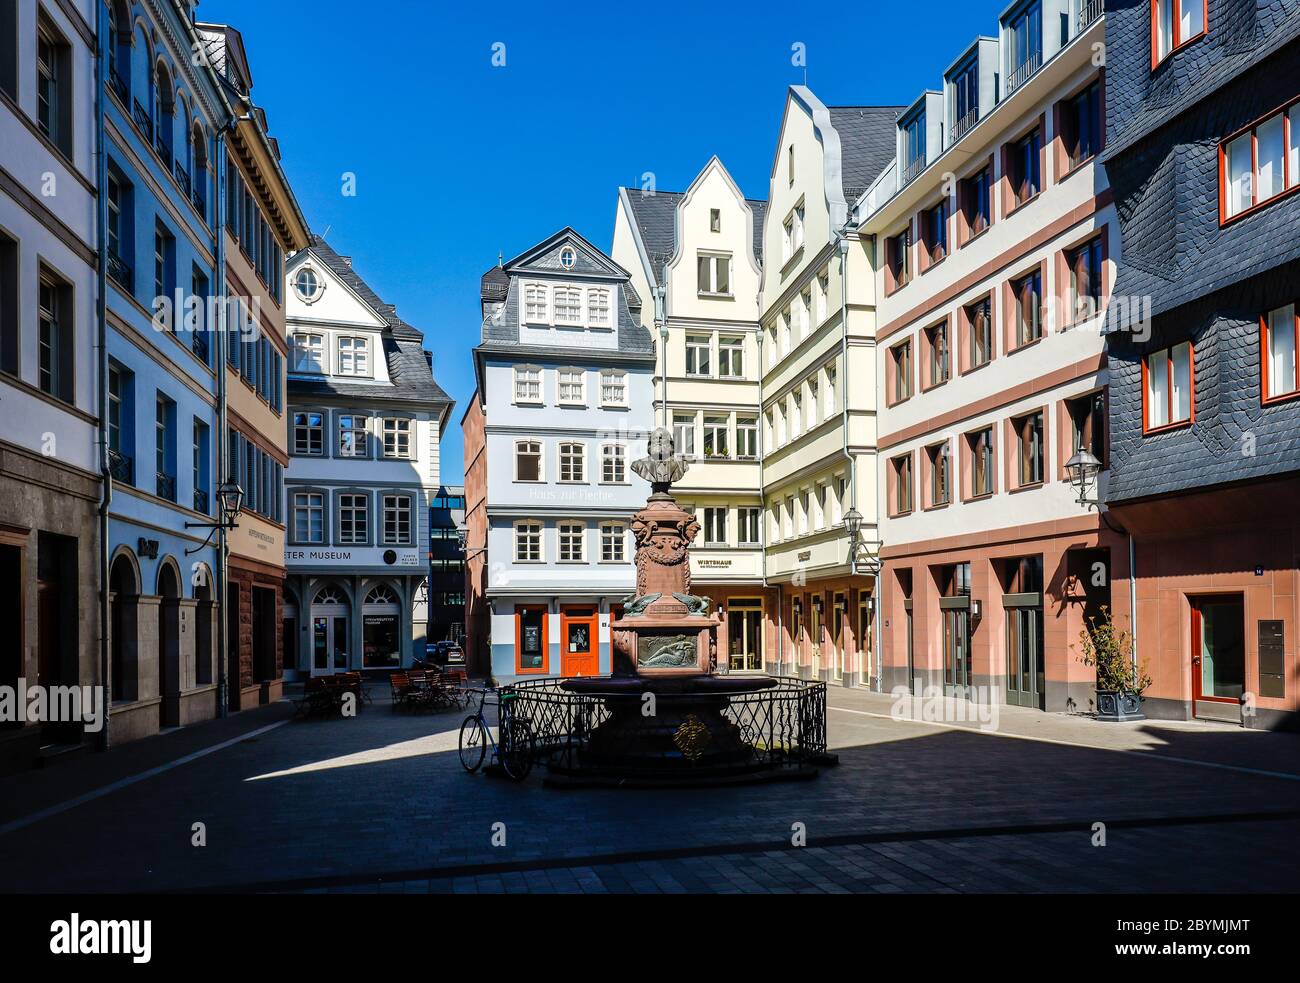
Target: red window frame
point(1178, 43)
point(1147, 428)
point(1264, 397)
point(1287, 187)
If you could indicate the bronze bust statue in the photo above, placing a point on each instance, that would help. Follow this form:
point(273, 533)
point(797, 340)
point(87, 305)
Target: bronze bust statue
point(661, 466)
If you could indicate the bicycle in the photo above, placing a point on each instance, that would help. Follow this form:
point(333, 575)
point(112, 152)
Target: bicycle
point(515, 750)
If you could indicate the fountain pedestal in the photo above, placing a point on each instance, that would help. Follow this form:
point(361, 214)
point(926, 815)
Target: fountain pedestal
point(666, 704)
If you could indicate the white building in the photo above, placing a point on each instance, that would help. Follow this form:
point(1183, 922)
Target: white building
point(564, 405)
point(366, 420)
point(700, 251)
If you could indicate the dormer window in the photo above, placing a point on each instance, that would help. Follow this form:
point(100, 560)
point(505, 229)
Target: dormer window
point(965, 98)
point(535, 308)
point(598, 307)
point(568, 257)
point(568, 305)
point(354, 356)
point(913, 146)
point(1025, 44)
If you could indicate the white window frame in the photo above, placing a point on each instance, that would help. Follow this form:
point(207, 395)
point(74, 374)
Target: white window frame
point(717, 434)
point(309, 503)
point(529, 540)
point(707, 265)
point(599, 298)
point(613, 380)
point(695, 344)
point(613, 458)
point(715, 523)
point(389, 504)
point(731, 355)
point(569, 532)
point(749, 518)
point(684, 434)
point(541, 459)
point(566, 297)
point(351, 512)
point(356, 362)
point(528, 376)
point(747, 425)
point(310, 357)
point(537, 297)
point(397, 427)
point(574, 461)
point(613, 542)
point(580, 399)
point(363, 431)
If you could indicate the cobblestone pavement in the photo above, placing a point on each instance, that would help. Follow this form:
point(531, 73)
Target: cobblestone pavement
point(380, 803)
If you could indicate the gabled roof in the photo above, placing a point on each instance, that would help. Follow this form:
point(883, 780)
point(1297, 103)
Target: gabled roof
point(500, 328)
point(410, 369)
point(654, 217)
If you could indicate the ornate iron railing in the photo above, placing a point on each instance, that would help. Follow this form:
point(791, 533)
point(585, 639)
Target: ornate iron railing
point(197, 196)
point(166, 485)
point(182, 177)
point(120, 467)
point(1089, 11)
point(161, 144)
point(199, 344)
point(780, 729)
point(200, 501)
point(119, 271)
point(119, 86)
point(1025, 69)
point(142, 120)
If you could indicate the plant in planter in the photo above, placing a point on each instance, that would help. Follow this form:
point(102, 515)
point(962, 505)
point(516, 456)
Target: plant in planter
point(1120, 683)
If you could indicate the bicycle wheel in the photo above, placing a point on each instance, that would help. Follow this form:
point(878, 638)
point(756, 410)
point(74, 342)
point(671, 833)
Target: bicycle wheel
point(516, 749)
point(473, 743)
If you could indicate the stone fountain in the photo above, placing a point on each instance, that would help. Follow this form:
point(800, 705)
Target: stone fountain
point(666, 702)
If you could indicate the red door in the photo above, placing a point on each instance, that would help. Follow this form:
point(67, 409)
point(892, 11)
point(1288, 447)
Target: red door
point(579, 648)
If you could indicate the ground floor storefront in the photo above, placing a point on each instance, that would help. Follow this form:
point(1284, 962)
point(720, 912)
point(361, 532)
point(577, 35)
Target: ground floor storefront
point(1218, 603)
point(49, 631)
point(826, 629)
point(254, 644)
point(998, 615)
point(350, 621)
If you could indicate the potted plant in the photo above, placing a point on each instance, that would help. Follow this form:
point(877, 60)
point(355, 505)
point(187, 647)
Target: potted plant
point(1120, 682)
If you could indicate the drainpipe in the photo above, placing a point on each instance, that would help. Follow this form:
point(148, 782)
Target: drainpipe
point(661, 324)
point(842, 241)
point(101, 326)
point(1132, 599)
point(223, 443)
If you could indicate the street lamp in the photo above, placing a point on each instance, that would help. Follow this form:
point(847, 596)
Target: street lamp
point(1083, 468)
point(861, 556)
point(230, 502)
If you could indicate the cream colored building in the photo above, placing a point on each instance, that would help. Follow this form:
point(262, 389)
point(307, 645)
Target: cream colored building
point(819, 434)
point(696, 259)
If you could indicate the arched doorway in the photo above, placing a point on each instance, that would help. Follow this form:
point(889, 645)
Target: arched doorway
point(330, 622)
point(381, 636)
point(169, 644)
point(124, 595)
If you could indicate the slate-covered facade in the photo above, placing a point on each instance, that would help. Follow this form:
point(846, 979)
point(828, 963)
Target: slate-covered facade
point(1204, 411)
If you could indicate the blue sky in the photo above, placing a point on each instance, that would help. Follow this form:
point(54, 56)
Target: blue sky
point(457, 160)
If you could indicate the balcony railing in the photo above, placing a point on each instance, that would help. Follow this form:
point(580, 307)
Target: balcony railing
point(963, 125)
point(161, 144)
point(119, 86)
point(166, 486)
point(142, 120)
point(1089, 11)
point(199, 342)
point(1022, 72)
point(119, 271)
point(911, 170)
point(182, 177)
point(196, 196)
point(120, 467)
point(200, 501)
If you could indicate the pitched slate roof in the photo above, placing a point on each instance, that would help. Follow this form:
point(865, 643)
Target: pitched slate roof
point(656, 220)
point(410, 369)
point(867, 144)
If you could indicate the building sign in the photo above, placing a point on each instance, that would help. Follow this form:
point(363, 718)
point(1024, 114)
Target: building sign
point(804, 556)
point(379, 641)
point(360, 556)
point(723, 564)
